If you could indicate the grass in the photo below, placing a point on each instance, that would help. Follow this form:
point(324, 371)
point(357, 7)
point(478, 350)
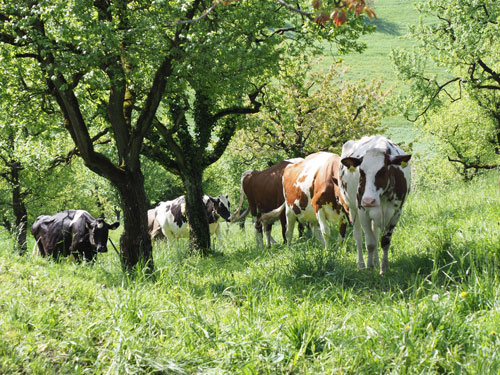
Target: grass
point(297, 310)
point(374, 63)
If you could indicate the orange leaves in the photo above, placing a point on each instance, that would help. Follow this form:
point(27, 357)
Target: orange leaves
point(339, 16)
point(342, 10)
point(316, 4)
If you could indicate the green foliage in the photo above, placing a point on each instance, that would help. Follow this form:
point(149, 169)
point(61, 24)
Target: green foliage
point(459, 37)
point(466, 135)
point(282, 310)
point(459, 104)
point(160, 185)
point(305, 112)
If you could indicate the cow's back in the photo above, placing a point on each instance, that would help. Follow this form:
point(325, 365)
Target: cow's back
point(54, 232)
point(309, 184)
point(264, 189)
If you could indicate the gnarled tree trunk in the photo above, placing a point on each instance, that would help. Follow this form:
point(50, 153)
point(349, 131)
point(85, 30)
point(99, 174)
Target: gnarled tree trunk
point(135, 242)
point(199, 235)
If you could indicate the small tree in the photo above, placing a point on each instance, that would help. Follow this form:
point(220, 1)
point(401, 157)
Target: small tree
point(466, 136)
point(462, 40)
point(307, 111)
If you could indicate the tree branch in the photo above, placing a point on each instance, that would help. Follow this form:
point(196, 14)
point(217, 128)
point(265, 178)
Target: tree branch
point(193, 20)
point(296, 10)
point(474, 165)
point(74, 152)
point(238, 110)
point(434, 96)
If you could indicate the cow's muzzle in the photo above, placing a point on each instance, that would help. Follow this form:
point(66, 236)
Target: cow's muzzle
point(369, 202)
point(102, 249)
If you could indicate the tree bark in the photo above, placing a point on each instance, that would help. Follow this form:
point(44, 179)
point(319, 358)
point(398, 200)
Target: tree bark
point(199, 235)
point(20, 212)
point(135, 243)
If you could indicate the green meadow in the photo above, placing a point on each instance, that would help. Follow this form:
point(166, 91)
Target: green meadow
point(284, 310)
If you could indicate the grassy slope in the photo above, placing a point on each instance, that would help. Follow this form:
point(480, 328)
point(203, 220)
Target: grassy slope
point(393, 18)
point(301, 310)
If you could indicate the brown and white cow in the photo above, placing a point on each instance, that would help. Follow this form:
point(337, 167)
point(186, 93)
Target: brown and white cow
point(312, 195)
point(374, 182)
point(264, 192)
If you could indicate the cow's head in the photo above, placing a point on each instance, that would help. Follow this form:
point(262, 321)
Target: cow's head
point(98, 233)
point(222, 206)
point(374, 174)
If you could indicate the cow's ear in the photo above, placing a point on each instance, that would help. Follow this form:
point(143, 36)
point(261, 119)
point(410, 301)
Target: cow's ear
point(401, 160)
point(115, 225)
point(351, 162)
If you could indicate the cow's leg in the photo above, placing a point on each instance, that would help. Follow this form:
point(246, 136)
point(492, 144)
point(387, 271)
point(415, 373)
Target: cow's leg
point(290, 225)
point(323, 227)
point(385, 242)
point(218, 232)
point(342, 228)
point(283, 225)
point(371, 239)
point(269, 238)
point(258, 232)
point(358, 237)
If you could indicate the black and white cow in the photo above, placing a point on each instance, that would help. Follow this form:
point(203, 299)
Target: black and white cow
point(171, 216)
point(71, 232)
point(374, 182)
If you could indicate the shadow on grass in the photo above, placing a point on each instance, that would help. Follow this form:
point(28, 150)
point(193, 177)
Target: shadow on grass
point(387, 27)
point(306, 265)
point(240, 268)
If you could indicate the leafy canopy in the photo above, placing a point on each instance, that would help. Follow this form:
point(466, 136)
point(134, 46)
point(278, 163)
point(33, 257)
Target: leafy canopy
point(307, 111)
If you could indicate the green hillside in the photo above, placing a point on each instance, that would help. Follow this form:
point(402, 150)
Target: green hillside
point(393, 19)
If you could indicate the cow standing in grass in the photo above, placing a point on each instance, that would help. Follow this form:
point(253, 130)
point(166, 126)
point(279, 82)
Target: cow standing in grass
point(264, 192)
point(374, 182)
point(71, 232)
point(312, 195)
point(171, 217)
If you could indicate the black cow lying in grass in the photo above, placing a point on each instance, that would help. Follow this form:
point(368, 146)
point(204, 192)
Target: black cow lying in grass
point(71, 232)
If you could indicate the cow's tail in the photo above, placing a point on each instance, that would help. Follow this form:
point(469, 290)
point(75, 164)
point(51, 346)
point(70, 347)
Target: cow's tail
point(36, 249)
point(272, 214)
point(234, 217)
point(241, 217)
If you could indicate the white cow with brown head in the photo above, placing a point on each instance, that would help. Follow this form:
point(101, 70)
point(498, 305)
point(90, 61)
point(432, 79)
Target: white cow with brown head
point(374, 182)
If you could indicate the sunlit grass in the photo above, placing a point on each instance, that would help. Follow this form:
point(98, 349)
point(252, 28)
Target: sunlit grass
point(244, 310)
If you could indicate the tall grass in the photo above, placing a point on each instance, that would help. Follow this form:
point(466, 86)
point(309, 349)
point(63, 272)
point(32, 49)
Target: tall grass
point(284, 310)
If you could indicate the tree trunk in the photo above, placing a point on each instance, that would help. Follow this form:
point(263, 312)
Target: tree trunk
point(199, 234)
point(135, 243)
point(20, 213)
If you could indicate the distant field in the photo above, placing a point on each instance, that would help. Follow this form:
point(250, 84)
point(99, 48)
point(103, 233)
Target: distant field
point(393, 18)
